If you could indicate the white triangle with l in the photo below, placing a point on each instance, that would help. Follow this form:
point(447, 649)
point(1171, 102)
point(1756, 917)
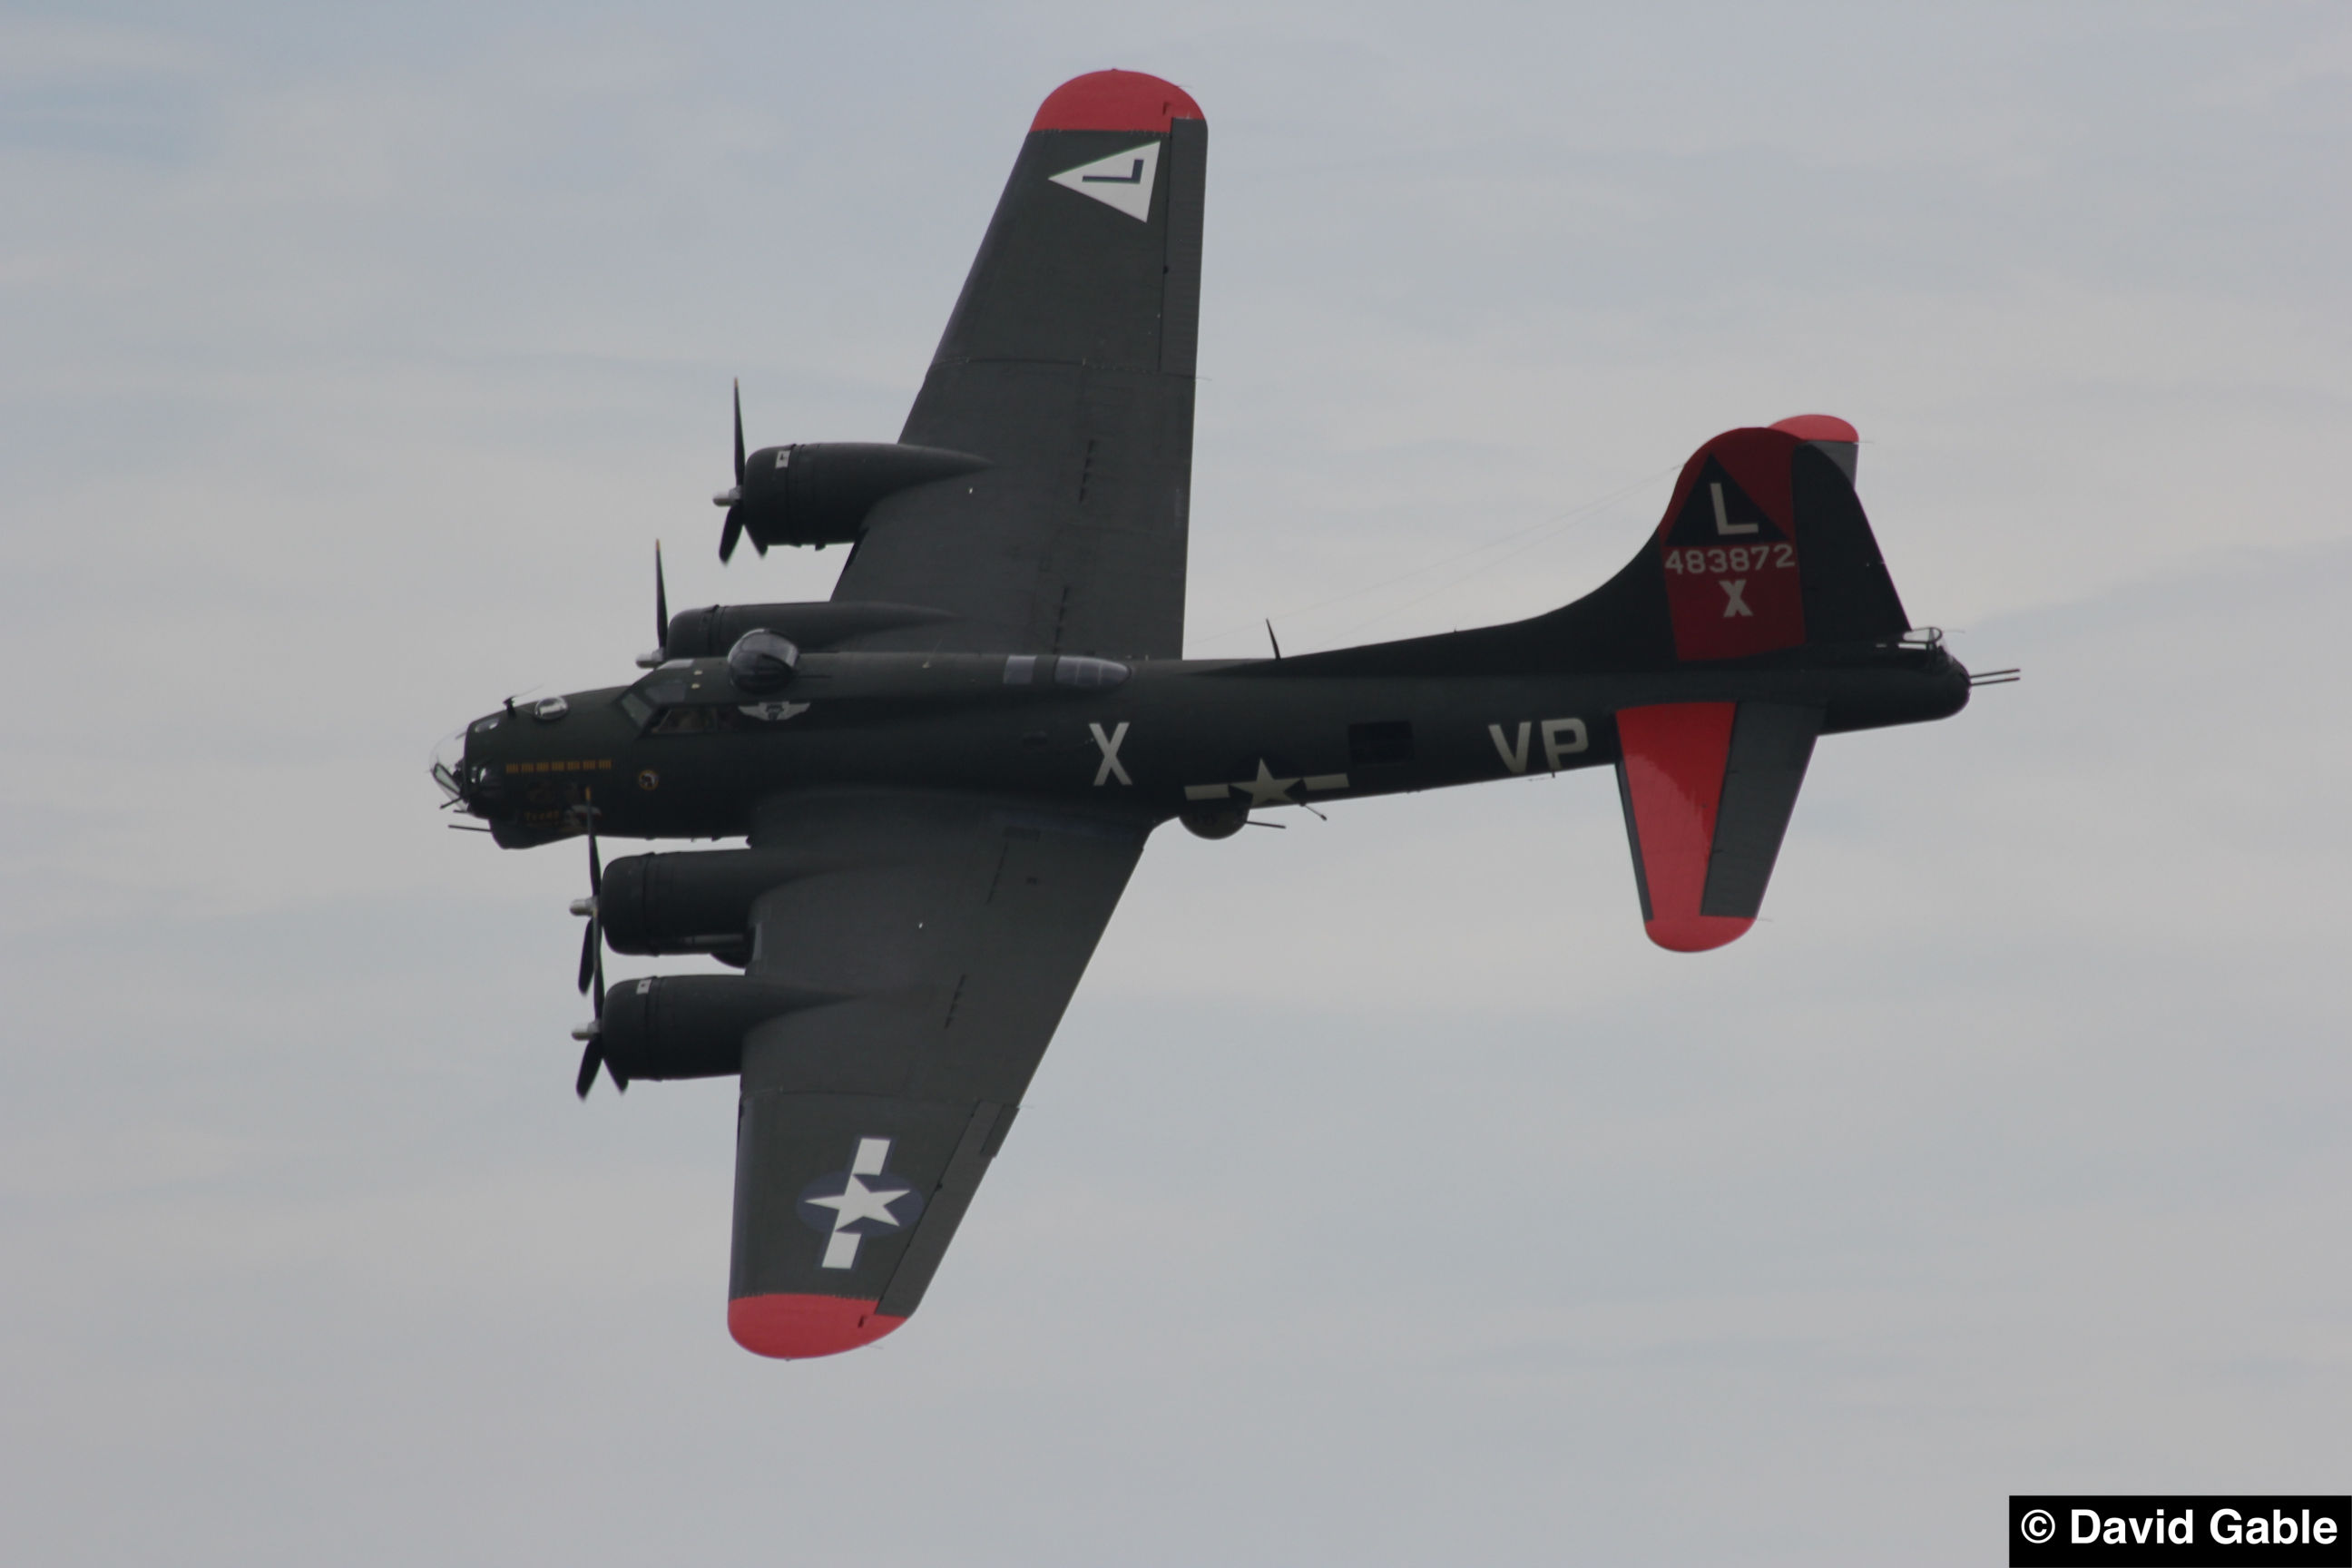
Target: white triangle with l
point(1123, 180)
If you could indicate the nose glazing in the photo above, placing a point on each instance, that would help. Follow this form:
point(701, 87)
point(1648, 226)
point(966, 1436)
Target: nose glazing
point(448, 766)
point(459, 756)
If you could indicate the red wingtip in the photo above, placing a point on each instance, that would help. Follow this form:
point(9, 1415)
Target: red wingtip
point(1114, 100)
point(1818, 427)
point(794, 1328)
point(1696, 933)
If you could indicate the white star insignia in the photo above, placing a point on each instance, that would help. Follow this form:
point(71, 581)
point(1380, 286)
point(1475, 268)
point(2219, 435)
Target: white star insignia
point(1266, 789)
point(857, 1200)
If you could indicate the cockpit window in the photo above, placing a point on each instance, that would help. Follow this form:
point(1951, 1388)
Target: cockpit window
point(637, 708)
point(702, 719)
point(1088, 672)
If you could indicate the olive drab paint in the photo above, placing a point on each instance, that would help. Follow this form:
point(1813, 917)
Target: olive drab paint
point(942, 778)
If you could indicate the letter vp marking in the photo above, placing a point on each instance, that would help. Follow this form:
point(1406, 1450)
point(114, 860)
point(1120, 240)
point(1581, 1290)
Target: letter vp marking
point(1517, 761)
point(1561, 738)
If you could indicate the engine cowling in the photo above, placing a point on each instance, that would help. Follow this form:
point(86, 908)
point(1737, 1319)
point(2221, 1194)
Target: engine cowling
point(709, 632)
point(819, 492)
point(700, 902)
point(688, 1026)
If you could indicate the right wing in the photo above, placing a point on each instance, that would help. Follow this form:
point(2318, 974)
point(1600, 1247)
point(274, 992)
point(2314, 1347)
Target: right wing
point(954, 931)
point(1068, 365)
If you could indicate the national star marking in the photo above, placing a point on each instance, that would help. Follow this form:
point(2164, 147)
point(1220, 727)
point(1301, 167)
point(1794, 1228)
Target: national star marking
point(857, 1200)
point(1266, 789)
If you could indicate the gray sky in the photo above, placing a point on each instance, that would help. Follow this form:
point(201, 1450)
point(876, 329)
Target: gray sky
point(1386, 1197)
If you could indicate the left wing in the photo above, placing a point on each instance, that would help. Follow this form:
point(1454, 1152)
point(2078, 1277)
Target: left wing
point(1068, 365)
point(953, 930)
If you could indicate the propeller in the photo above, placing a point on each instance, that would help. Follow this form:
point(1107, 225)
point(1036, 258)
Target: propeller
point(592, 1056)
point(591, 968)
point(733, 500)
point(592, 945)
point(654, 658)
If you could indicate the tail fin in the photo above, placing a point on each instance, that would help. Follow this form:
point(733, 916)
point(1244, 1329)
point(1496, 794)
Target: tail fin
point(1763, 548)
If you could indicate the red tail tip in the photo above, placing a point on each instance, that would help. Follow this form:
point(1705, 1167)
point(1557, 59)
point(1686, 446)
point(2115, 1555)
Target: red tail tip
point(794, 1328)
point(1818, 427)
point(1696, 933)
point(1114, 100)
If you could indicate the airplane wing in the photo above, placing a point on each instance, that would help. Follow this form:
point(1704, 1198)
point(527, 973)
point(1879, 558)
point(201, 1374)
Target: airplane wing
point(1068, 365)
point(953, 930)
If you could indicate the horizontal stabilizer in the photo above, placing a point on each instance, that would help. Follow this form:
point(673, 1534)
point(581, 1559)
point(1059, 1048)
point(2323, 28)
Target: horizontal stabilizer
point(1708, 788)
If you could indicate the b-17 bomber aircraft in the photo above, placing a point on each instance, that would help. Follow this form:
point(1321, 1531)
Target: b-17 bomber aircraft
point(944, 775)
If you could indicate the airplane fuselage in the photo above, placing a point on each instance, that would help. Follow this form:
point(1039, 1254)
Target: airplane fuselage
point(684, 753)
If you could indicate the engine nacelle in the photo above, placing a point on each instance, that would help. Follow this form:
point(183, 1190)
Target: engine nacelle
point(709, 632)
point(819, 492)
point(700, 902)
point(688, 1026)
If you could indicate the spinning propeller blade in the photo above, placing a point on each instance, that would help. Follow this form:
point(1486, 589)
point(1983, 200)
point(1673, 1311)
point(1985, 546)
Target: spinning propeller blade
point(592, 959)
point(734, 498)
point(592, 1056)
point(592, 942)
point(590, 1061)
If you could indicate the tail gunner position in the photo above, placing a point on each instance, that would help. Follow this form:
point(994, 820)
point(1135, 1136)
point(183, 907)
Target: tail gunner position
point(944, 775)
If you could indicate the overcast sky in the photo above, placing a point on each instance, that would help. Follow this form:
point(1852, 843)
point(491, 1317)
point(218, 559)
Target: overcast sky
point(1386, 1197)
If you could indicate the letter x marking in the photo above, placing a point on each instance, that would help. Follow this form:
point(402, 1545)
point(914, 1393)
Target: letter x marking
point(1108, 745)
point(1734, 591)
